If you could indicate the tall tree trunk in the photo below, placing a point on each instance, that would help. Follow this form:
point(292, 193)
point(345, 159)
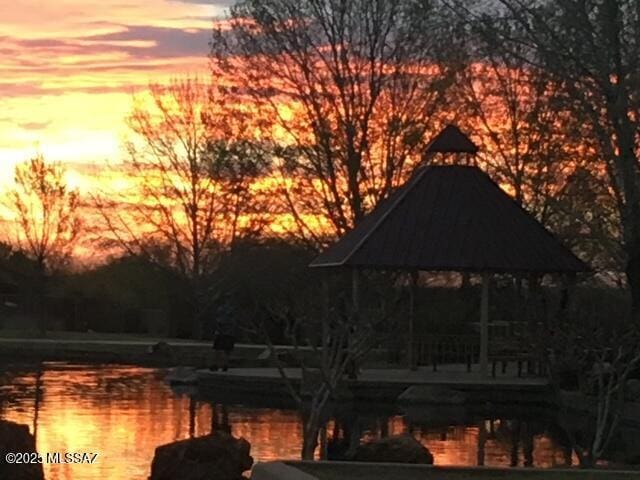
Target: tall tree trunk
point(313, 421)
point(310, 437)
point(626, 163)
point(631, 226)
point(198, 321)
point(40, 294)
point(632, 271)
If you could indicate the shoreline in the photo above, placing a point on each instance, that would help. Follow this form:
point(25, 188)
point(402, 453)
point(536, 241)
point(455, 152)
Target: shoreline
point(252, 371)
point(123, 350)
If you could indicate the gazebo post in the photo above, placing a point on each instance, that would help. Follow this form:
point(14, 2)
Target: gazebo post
point(355, 298)
point(325, 320)
point(412, 315)
point(484, 326)
point(355, 291)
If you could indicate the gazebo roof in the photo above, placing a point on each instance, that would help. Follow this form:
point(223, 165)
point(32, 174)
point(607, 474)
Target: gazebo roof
point(451, 218)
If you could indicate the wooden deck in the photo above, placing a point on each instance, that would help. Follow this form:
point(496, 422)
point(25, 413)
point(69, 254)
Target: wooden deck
point(386, 384)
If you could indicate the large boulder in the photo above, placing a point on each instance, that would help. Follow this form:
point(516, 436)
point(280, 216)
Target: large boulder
point(212, 457)
point(15, 438)
point(161, 350)
point(182, 376)
point(396, 449)
point(633, 390)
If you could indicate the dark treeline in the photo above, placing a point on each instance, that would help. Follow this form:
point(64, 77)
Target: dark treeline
point(316, 111)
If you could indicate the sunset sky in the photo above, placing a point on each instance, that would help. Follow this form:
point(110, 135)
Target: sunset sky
point(70, 68)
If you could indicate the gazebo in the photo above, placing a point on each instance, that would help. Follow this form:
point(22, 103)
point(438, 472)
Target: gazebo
point(451, 218)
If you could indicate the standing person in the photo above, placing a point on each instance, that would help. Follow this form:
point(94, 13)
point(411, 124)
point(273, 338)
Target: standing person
point(224, 337)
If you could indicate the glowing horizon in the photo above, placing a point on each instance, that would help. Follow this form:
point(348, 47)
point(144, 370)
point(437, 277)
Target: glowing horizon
point(70, 79)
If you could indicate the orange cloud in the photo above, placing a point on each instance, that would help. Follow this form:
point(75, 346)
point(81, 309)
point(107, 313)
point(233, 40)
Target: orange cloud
point(69, 71)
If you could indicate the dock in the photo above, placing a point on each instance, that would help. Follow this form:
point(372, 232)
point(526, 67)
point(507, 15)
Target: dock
point(383, 384)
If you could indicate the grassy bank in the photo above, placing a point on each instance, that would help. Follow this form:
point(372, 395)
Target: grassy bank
point(93, 347)
point(92, 336)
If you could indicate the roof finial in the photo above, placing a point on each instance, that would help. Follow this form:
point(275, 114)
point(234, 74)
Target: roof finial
point(450, 140)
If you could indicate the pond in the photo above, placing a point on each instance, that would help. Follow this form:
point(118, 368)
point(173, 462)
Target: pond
point(123, 413)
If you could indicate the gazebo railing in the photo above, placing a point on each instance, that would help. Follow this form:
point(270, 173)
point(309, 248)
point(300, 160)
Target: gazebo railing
point(507, 347)
point(436, 350)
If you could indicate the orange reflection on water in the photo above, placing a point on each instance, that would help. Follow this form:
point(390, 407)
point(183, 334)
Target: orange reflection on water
point(118, 412)
point(273, 434)
point(124, 413)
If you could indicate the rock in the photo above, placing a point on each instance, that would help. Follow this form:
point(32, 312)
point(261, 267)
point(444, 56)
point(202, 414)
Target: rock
point(219, 456)
point(632, 393)
point(182, 376)
point(286, 358)
point(435, 394)
point(161, 350)
point(265, 354)
point(15, 437)
point(396, 449)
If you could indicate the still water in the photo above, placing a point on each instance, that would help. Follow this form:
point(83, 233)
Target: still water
point(123, 413)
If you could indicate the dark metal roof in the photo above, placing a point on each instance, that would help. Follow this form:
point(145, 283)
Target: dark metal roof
point(451, 140)
point(451, 218)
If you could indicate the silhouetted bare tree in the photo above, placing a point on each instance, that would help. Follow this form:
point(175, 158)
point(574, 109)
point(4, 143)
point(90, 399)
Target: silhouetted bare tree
point(602, 356)
point(47, 221)
point(351, 88)
point(538, 149)
point(46, 211)
point(192, 179)
point(592, 50)
point(330, 337)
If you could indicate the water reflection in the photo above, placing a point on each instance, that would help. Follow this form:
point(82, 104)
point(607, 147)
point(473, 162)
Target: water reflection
point(469, 438)
point(124, 413)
